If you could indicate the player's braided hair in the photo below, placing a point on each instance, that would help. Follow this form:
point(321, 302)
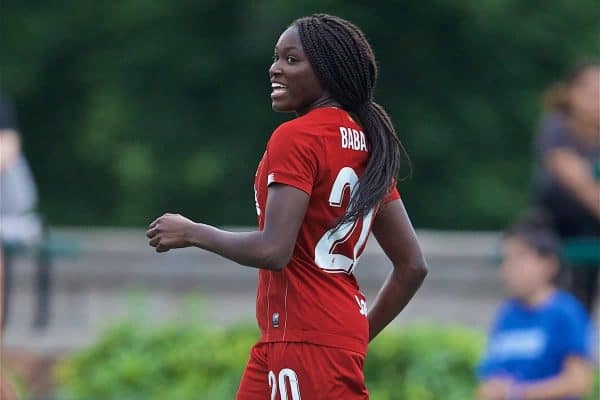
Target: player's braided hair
point(344, 62)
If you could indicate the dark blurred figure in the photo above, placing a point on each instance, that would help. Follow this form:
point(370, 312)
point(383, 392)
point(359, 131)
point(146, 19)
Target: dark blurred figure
point(568, 178)
point(20, 226)
point(6, 390)
point(541, 343)
point(9, 146)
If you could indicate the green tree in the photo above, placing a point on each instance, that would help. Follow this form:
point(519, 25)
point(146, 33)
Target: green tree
point(138, 107)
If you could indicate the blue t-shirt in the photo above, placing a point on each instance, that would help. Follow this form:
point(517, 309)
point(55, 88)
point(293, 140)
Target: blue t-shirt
point(531, 344)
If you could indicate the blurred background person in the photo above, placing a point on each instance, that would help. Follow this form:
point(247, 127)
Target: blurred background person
point(9, 151)
point(6, 390)
point(18, 193)
point(540, 346)
point(567, 150)
point(19, 223)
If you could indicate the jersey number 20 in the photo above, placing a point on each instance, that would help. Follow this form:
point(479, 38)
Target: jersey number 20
point(292, 381)
point(325, 251)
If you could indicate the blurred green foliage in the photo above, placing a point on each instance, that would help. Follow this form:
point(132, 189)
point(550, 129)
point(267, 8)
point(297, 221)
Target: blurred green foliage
point(183, 361)
point(175, 362)
point(134, 108)
point(14, 381)
point(424, 363)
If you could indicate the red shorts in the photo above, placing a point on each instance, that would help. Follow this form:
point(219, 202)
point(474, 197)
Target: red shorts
point(295, 371)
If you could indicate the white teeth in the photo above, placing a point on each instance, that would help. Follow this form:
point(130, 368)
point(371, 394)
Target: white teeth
point(276, 85)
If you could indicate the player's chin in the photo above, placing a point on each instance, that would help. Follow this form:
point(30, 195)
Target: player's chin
point(282, 105)
point(516, 291)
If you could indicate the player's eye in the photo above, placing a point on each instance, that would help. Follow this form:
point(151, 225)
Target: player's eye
point(275, 57)
point(291, 59)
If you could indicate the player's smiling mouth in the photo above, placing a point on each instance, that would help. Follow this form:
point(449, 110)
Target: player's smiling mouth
point(278, 89)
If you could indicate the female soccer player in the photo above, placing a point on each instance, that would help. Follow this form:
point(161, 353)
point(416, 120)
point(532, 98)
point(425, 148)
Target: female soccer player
point(326, 179)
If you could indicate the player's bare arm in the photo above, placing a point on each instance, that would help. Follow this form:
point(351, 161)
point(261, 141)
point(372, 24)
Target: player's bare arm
point(394, 232)
point(270, 248)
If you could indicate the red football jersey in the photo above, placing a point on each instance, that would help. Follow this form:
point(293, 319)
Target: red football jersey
point(316, 297)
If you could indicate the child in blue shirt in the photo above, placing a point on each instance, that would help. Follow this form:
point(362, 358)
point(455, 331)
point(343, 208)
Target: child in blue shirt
point(540, 344)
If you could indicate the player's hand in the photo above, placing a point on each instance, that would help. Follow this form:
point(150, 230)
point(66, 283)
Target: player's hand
point(495, 389)
point(169, 231)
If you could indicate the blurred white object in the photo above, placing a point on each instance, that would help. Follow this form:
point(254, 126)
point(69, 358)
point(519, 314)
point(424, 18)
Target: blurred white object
point(18, 198)
point(21, 229)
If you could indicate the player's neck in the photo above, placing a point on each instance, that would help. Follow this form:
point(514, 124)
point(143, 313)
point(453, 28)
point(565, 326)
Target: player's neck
point(539, 296)
point(320, 103)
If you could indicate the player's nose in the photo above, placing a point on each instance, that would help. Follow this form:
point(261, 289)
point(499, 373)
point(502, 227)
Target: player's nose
point(274, 70)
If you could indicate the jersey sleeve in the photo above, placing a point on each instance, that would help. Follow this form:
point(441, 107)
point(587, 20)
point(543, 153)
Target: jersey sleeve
point(578, 332)
point(293, 158)
point(552, 135)
point(489, 365)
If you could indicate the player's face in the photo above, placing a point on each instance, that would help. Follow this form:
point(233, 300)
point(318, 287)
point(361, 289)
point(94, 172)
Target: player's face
point(524, 270)
point(294, 84)
point(584, 95)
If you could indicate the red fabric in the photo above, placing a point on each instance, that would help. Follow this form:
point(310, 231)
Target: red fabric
point(316, 298)
point(309, 372)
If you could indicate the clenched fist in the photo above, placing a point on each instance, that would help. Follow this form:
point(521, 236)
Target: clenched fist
point(170, 231)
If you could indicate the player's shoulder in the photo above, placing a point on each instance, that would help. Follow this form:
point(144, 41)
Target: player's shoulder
point(567, 306)
point(507, 316)
point(296, 125)
point(508, 309)
point(319, 119)
point(555, 121)
point(304, 123)
point(300, 129)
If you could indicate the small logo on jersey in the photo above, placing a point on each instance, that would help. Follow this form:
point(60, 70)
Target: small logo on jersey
point(362, 305)
point(275, 320)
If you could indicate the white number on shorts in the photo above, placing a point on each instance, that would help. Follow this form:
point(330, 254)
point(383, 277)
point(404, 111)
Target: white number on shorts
point(325, 255)
point(292, 381)
point(273, 384)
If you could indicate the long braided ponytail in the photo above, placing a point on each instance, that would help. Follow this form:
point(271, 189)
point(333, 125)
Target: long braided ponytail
point(345, 64)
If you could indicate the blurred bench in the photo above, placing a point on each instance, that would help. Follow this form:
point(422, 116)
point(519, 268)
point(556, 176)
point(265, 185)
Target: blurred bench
point(45, 250)
point(583, 252)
